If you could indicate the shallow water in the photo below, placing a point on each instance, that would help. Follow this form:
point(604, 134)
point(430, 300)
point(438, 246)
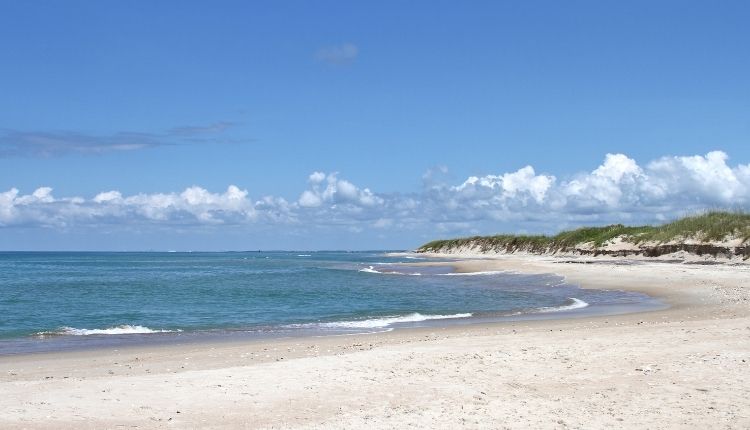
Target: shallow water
point(52, 301)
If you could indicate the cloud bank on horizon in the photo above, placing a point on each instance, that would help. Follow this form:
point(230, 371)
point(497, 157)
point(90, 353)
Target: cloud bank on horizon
point(618, 190)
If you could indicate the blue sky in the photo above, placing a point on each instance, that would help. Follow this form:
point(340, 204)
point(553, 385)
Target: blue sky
point(396, 104)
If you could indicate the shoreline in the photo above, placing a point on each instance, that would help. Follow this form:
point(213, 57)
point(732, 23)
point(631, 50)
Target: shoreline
point(365, 380)
point(60, 341)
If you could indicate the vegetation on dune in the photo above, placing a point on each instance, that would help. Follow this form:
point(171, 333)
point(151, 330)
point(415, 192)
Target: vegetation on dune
point(706, 227)
point(710, 226)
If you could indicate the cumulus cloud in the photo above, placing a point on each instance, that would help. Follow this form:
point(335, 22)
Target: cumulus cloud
point(193, 205)
point(338, 54)
point(706, 178)
point(619, 177)
point(620, 189)
point(317, 177)
point(109, 196)
point(619, 185)
point(329, 189)
point(519, 185)
point(309, 199)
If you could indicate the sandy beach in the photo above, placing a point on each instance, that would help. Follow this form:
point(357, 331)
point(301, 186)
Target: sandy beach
point(374, 215)
point(684, 367)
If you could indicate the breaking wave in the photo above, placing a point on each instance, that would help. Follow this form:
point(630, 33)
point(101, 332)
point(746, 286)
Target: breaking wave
point(485, 273)
point(120, 329)
point(384, 322)
point(572, 304)
point(371, 269)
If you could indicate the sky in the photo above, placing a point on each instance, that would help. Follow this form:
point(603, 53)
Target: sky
point(185, 125)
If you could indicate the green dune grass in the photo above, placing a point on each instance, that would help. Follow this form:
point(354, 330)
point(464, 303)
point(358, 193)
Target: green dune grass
point(710, 226)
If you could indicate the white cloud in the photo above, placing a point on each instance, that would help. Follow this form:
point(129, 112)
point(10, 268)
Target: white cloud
point(606, 185)
point(109, 196)
point(309, 199)
point(616, 167)
point(7, 206)
point(336, 192)
point(40, 195)
point(194, 204)
point(706, 178)
point(618, 190)
point(521, 185)
point(526, 181)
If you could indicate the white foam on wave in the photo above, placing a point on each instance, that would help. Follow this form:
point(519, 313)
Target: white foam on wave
point(574, 304)
point(387, 321)
point(304, 255)
point(120, 329)
point(371, 269)
point(485, 273)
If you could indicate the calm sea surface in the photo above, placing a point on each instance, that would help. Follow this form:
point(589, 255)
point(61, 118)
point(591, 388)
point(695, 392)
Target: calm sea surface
point(51, 301)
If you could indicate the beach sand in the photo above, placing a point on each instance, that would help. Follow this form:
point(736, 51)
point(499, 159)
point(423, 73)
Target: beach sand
point(684, 367)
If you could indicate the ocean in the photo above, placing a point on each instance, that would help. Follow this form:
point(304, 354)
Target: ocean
point(65, 300)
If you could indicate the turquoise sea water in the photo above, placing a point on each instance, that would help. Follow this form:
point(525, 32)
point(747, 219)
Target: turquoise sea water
point(60, 300)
